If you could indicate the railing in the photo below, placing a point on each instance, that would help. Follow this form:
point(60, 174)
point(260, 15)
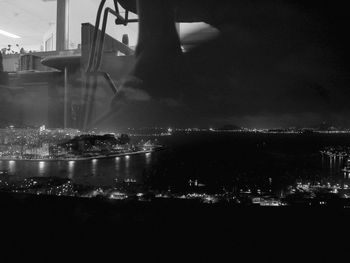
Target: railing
point(95, 57)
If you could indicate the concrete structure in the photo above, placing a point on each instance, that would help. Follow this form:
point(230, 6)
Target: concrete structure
point(62, 25)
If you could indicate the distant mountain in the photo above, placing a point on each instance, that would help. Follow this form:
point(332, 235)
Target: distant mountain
point(324, 126)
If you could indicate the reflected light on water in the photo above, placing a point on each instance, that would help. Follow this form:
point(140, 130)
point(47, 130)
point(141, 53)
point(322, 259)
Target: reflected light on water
point(71, 169)
point(148, 158)
point(117, 163)
point(12, 166)
point(41, 168)
point(127, 161)
point(94, 167)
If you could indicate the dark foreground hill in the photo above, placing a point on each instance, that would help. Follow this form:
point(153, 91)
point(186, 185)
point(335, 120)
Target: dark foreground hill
point(50, 227)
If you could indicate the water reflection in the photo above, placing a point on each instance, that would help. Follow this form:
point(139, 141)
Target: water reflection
point(127, 161)
point(117, 168)
point(42, 168)
point(97, 172)
point(12, 167)
point(148, 157)
point(71, 169)
point(117, 164)
point(94, 167)
point(127, 169)
point(334, 164)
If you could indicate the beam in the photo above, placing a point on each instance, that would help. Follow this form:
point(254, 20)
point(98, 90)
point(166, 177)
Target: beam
point(62, 25)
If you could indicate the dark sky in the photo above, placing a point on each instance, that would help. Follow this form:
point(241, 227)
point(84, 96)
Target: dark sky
point(275, 64)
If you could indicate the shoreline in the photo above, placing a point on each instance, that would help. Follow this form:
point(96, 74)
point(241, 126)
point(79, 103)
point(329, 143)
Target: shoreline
point(84, 158)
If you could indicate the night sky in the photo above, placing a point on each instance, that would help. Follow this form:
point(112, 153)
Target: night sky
point(275, 64)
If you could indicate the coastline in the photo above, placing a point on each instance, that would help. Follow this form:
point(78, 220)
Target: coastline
point(157, 148)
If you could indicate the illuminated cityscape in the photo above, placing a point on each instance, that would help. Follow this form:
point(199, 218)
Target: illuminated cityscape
point(43, 145)
point(152, 128)
point(64, 144)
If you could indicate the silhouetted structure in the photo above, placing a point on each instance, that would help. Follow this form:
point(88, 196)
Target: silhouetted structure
point(1, 65)
point(3, 75)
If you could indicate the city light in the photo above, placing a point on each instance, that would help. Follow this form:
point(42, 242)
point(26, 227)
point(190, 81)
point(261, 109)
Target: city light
point(71, 166)
point(12, 166)
point(42, 143)
point(65, 144)
point(71, 169)
point(41, 165)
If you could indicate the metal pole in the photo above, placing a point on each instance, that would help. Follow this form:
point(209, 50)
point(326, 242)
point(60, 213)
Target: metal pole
point(65, 97)
point(62, 25)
